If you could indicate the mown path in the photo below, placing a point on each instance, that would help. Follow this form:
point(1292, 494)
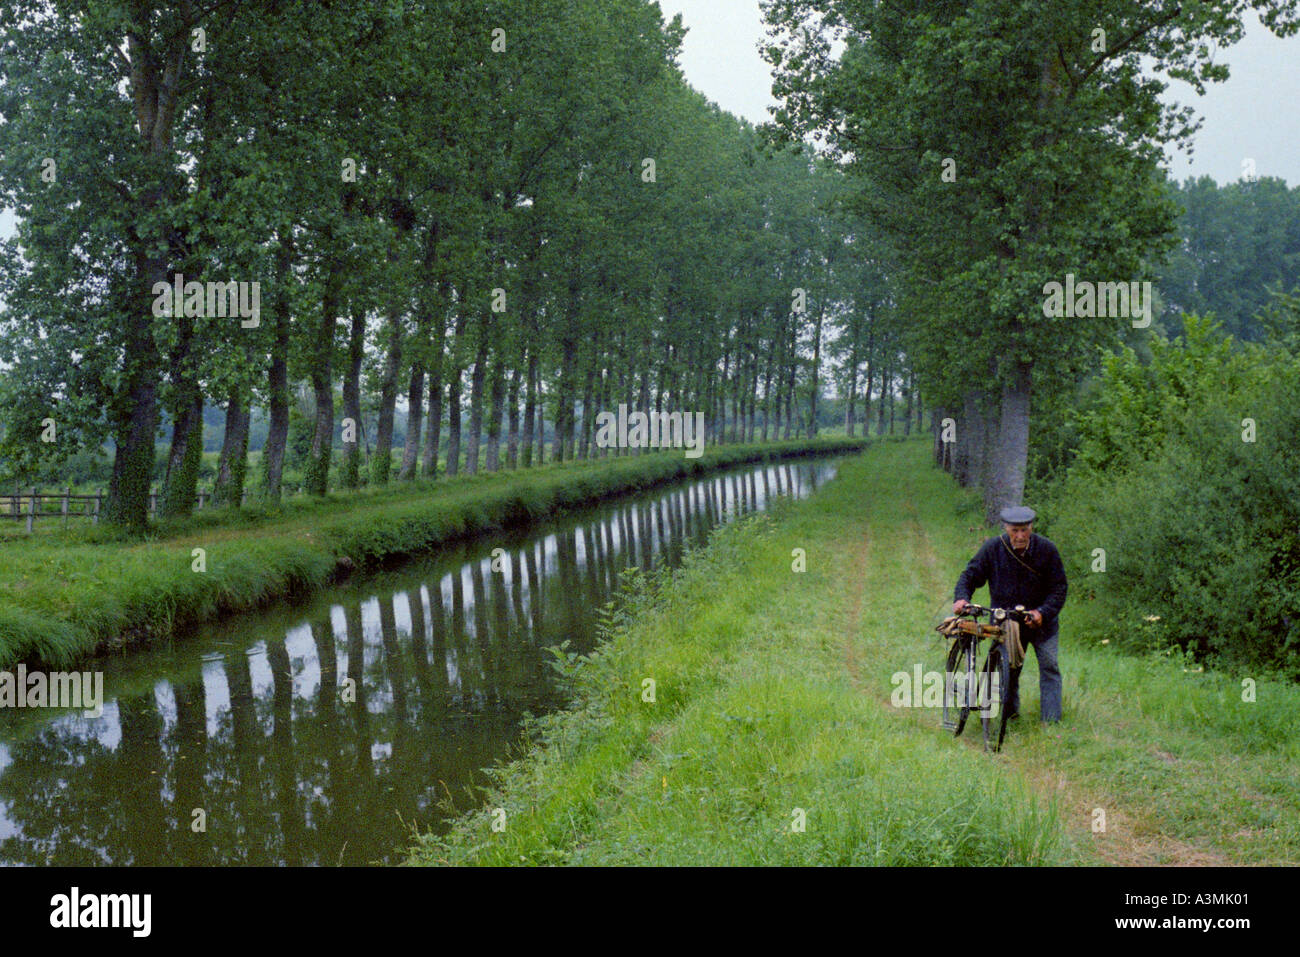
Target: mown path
point(773, 738)
point(1036, 754)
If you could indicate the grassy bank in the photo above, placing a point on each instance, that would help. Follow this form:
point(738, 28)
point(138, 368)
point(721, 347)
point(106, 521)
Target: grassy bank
point(63, 597)
point(773, 697)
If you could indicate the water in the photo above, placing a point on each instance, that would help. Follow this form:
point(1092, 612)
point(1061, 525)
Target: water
point(223, 749)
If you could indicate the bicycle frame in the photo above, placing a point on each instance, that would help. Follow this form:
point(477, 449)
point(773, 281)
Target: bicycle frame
point(966, 685)
point(980, 689)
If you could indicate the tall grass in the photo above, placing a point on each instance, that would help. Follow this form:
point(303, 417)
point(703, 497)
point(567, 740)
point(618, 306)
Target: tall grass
point(755, 729)
point(772, 696)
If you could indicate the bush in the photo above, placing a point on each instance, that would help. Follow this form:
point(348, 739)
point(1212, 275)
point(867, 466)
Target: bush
point(1198, 521)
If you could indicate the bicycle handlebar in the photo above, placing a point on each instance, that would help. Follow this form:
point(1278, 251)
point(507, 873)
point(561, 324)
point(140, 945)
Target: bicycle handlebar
point(1019, 613)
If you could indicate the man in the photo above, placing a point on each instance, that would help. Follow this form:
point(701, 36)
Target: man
point(1022, 568)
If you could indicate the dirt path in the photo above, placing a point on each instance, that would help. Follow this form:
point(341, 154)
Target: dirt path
point(1131, 837)
point(858, 564)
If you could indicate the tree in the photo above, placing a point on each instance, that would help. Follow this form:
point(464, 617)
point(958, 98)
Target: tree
point(1001, 146)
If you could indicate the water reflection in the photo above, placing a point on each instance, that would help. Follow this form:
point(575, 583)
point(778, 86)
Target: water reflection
point(224, 750)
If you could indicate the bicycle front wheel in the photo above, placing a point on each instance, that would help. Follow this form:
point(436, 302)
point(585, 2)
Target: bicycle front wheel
point(956, 686)
point(995, 680)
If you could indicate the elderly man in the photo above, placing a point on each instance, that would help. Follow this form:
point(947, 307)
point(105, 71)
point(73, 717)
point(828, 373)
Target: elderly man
point(1022, 568)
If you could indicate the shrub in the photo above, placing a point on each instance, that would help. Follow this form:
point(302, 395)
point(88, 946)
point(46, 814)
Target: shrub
point(1198, 522)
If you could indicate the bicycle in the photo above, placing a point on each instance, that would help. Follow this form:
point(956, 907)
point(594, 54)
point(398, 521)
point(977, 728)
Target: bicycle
point(982, 690)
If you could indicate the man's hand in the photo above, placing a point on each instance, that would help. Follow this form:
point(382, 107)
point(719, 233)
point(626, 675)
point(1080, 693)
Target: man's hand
point(1035, 618)
point(958, 605)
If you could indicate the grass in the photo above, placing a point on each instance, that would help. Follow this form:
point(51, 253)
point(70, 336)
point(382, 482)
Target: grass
point(772, 696)
point(66, 595)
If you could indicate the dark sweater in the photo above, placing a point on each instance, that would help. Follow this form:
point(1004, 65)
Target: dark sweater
point(1011, 584)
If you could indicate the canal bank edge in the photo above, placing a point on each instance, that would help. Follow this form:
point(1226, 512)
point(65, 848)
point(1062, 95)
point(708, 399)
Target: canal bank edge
point(103, 598)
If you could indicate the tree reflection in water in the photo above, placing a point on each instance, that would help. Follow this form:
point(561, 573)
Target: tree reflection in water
point(320, 734)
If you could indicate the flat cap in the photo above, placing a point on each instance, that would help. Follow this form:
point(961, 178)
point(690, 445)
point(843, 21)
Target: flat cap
point(1018, 515)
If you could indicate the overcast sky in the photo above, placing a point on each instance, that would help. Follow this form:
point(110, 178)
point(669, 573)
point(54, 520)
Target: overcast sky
point(1252, 116)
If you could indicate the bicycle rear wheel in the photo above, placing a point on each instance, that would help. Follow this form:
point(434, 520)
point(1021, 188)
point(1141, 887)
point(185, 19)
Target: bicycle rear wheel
point(956, 687)
point(994, 682)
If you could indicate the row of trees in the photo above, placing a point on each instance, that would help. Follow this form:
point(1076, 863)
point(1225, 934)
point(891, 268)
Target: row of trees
point(999, 147)
point(501, 214)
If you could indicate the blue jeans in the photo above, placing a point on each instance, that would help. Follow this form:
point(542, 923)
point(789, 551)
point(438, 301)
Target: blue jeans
point(1044, 642)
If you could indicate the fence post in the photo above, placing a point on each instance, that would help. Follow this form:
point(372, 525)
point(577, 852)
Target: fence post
point(31, 512)
point(99, 493)
point(243, 497)
point(16, 504)
point(66, 495)
point(153, 500)
point(200, 500)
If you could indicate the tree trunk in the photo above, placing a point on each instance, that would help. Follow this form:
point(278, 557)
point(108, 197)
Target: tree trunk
point(1006, 485)
point(352, 401)
point(322, 442)
point(871, 375)
point(886, 388)
point(767, 394)
point(431, 449)
point(277, 378)
point(453, 422)
point(561, 443)
point(454, 386)
point(791, 379)
point(512, 418)
point(414, 421)
point(232, 465)
point(936, 439)
point(736, 434)
point(153, 81)
point(816, 373)
point(891, 408)
point(181, 483)
point(476, 380)
point(972, 440)
point(530, 408)
point(967, 426)
point(850, 425)
point(602, 404)
point(907, 414)
point(496, 405)
point(751, 400)
point(539, 455)
point(381, 466)
point(588, 395)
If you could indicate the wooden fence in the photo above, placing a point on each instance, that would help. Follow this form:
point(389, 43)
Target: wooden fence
point(34, 504)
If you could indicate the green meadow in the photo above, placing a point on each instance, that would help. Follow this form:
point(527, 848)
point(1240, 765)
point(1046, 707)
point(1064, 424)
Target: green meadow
point(768, 735)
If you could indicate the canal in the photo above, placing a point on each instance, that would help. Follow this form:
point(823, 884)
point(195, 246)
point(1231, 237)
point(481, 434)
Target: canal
point(321, 733)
